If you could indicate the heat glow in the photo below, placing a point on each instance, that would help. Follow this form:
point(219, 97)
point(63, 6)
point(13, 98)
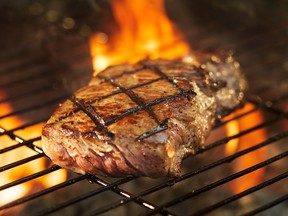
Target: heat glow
point(10, 175)
point(144, 30)
point(252, 138)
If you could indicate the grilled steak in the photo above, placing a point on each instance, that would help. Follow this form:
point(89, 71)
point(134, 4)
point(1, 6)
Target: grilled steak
point(142, 119)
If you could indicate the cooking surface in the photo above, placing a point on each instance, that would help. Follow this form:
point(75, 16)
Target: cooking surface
point(42, 63)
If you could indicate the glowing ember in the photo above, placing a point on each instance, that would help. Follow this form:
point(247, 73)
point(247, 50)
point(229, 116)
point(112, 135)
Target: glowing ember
point(244, 142)
point(232, 128)
point(144, 31)
point(18, 172)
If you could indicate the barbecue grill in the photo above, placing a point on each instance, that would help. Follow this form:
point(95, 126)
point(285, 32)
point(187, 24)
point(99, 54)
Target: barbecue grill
point(42, 62)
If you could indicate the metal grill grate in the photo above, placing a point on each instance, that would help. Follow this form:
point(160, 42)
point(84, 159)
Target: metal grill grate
point(33, 81)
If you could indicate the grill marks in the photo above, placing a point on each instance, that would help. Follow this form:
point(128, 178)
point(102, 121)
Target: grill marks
point(93, 115)
point(161, 127)
point(140, 104)
point(89, 110)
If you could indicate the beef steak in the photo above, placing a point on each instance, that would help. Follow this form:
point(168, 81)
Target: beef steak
point(141, 119)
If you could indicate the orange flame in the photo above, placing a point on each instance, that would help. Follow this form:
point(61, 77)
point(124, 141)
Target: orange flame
point(234, 127)
point(11, 175)
point(144, 31)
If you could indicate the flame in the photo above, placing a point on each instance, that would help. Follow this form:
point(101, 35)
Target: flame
point(144, 31)
point(234, 127)
point(18, 172)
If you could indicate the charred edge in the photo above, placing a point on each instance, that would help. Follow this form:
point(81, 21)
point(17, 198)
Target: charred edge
point(133, 96)
point(188, 94)
point(93, 115)
point(161, 127)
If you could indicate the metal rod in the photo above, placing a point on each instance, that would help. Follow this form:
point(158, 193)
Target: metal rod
point(242, 194)
point(220, 182)
point(267, 206)
point(20, 162)
point(28, 178)
point(43, 192)
point(190, 174)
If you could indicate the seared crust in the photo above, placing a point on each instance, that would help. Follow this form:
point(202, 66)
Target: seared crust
point(142, 119)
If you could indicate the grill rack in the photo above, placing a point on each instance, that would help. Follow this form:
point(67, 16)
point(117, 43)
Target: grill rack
point(137, 197)
point(267, 106)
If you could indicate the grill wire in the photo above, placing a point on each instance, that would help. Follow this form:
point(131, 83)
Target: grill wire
point(24, 72)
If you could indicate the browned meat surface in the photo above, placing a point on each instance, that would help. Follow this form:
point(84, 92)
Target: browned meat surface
point(142, 119)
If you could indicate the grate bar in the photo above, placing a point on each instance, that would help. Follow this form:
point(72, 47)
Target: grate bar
point(267, 206)
point(271, 85)
point(9, 132)
point(280, 99)
point(38, 106)
point(258, 49)
point(228, 138)
point(269, 62)
point(43, 192)
point(265, 106)
point(219, 182)
point(37, 74)
point(45, 71)
point(105, 186)
point(28, 143)
point(193, 173)
point(245, 40)
point(28, 178)
point(22, 63)
point(27, 61)
point(221, 123)
point(242, 194)
point(20, 162)
point(43, 88)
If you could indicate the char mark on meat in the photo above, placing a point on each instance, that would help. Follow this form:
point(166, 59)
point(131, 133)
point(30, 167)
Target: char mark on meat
point(141, 119)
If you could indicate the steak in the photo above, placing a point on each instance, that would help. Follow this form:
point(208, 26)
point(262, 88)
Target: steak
point(141, 119)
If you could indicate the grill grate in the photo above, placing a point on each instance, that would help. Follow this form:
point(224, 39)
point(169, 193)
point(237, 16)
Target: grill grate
point(35, 79)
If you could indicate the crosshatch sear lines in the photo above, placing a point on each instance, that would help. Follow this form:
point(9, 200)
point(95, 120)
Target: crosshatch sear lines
point(132, 91)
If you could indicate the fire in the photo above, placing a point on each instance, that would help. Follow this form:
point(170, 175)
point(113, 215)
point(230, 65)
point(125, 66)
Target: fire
point(144, 31)
point(234, 127)
point(11, 175)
